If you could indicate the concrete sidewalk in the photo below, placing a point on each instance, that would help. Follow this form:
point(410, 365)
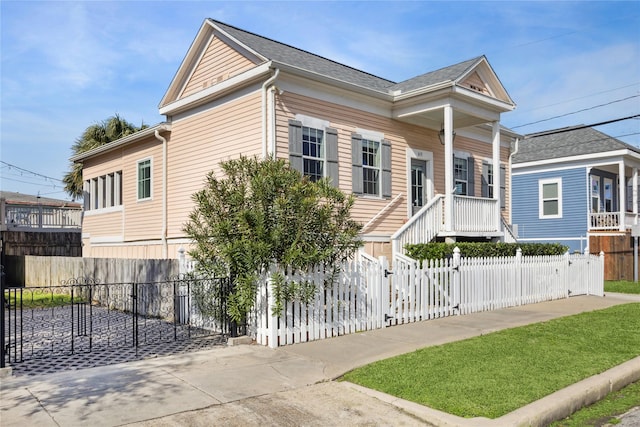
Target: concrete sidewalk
point(289, 386)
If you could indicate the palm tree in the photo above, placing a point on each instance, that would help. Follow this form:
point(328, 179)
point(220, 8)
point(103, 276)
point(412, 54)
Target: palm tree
point(98, 134)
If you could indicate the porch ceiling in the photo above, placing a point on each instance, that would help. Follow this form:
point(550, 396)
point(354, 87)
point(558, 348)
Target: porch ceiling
point(434, 119)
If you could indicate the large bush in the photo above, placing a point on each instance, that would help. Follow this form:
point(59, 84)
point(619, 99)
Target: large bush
point(264, 214)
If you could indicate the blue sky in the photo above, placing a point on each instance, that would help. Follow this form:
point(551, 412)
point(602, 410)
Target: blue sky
point(67, 65)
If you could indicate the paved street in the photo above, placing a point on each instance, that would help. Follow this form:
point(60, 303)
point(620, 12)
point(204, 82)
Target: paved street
point(289, 386)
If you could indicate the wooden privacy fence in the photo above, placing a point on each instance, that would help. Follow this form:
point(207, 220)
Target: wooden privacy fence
point(368, 294)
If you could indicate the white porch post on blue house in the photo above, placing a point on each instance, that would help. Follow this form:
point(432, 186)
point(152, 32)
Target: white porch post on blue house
point(622, 189)
point(634, 195)
point(448, 168)
point(495, 138)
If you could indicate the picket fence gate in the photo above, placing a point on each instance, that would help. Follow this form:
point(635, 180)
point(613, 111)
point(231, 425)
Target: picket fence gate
point(368, 294)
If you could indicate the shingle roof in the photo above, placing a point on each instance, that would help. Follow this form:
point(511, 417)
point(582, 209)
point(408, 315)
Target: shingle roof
point(450, 73)
point(20, 198)
point(567, 142)
point(280, 52)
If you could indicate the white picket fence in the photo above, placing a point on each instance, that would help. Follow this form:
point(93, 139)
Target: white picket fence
point(368, 294)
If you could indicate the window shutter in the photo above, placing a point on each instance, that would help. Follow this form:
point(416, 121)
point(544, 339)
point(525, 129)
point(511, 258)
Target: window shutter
point(503, 187)
point(356, 162)
point(386, 168)
point(331, 146)
point(295, 145)
point(471, 173)
point(485, 179)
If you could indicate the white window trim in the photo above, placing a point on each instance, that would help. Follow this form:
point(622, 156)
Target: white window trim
point(373, 136)
point(461, 155)
point(150, 159)
point(541, 183)
point(313, 122)
point(322, 158)
point(413, 153)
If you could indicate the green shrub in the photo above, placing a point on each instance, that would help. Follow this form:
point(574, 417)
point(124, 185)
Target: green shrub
point(422, 251)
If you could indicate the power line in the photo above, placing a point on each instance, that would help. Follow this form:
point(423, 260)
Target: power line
point(572, 128)
point(576, 112)
point(582, 97)
point(10, 166)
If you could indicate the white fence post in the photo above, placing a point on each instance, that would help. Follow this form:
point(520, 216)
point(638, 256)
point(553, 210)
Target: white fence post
point(385, 302)
point(272, 321)
point(181, 260)
point(518, 272)
point(456, 291)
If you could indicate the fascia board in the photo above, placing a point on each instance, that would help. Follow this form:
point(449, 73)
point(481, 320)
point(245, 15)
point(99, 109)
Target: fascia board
point(129, 139)
point(423, 90)
point(484, 99)
point(601, 158)
point(205, 95)
point(331, 81)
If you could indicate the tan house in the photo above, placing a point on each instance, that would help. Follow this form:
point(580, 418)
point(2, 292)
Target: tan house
point(420, 155)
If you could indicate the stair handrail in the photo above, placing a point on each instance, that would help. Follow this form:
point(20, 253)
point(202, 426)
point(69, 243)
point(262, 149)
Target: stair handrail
point(411, 222)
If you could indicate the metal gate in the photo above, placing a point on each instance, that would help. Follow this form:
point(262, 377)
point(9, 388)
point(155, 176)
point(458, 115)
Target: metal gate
point(82, 316)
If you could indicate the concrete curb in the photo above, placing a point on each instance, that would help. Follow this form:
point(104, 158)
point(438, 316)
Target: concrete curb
point(542, 412)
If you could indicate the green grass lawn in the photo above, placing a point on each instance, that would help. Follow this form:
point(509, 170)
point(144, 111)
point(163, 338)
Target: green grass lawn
point(494, 374)
point(38, 299)
point(622, 286)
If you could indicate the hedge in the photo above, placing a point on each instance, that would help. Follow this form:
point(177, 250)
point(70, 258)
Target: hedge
point(422, 251)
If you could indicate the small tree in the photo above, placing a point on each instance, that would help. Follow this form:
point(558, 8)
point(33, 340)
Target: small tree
point(264, 214)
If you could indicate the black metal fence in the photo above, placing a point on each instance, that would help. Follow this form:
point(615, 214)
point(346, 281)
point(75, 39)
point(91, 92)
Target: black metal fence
point(81, 316)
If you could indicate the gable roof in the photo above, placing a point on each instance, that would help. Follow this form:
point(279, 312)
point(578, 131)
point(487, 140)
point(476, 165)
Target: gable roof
point(567, 142)
point(272, 50)
point(262, 50)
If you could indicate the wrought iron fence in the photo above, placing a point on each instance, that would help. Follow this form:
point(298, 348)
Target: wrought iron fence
point(83, 315)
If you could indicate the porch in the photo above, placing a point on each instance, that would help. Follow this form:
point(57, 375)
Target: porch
point(470, 217)
point(612, 221)
point(18, 217)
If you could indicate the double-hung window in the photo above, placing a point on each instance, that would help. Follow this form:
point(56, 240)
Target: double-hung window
point(313, 148)
point(144, 179)
point(463, 175)
point(371, 163)
point(313, 153)
point(371, 167)
point(550, 198)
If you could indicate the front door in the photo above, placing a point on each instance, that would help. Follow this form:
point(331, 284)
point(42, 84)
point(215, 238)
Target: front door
point(418, 184)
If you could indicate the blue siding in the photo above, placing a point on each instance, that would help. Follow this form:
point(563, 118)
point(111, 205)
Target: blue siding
point(525, 211)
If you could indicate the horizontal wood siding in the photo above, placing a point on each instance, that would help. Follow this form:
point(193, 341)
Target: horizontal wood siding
point(200, 142)
point(103, 224)
point(218, 63)
point(401, 135)
point(526, 197)
point(142, 219)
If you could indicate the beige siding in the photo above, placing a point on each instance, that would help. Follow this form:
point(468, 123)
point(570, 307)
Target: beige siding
point(218, 63)
point(475, 82)
point(401, 135)
point(198, 145)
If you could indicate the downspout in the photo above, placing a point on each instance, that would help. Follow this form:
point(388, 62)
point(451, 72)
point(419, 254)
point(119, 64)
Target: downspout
point(517, 147)
point(265, 85)
point(163, 237)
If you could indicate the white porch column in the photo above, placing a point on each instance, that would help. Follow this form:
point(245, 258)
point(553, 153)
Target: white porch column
point(495, 138)
point(448, 168)
point(622, 189)
point(634, 197)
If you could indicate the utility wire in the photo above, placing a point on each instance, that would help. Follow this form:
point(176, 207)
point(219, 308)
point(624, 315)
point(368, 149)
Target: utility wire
point(576, 112)
point(30, 172)
point(572, 128)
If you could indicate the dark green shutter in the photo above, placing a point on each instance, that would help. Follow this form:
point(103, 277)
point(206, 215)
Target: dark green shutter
point(295, 145)
point(386, 168)
point(471, 178)
point(331, 147)
point(356, 162)
point(485, 179)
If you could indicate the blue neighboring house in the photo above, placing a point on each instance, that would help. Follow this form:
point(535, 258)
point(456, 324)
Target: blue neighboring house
point(573, 186)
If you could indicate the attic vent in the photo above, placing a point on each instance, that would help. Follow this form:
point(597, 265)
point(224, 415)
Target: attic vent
point(219, 79)
point(476, 88)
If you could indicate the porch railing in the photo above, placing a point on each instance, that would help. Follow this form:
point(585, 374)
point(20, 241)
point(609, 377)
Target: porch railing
point(41, 217)
point(422, 227)
point(604, 221)
point(473, 214)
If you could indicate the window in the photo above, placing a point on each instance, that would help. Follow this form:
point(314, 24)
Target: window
point(144, 179)
point(102, 192)
point(608, 195)
point(488, 182)
point(371, 167)
point(595, 194)
point(313, 153)
point(550, 192)
point(313, 149)
point(463, 174)
point(371, 164)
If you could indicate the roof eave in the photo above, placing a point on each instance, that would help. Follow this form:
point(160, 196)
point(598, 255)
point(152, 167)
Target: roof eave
point(129, 139)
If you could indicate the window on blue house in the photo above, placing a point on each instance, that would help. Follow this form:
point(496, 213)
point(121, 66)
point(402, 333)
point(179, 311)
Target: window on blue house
point(550, 198)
